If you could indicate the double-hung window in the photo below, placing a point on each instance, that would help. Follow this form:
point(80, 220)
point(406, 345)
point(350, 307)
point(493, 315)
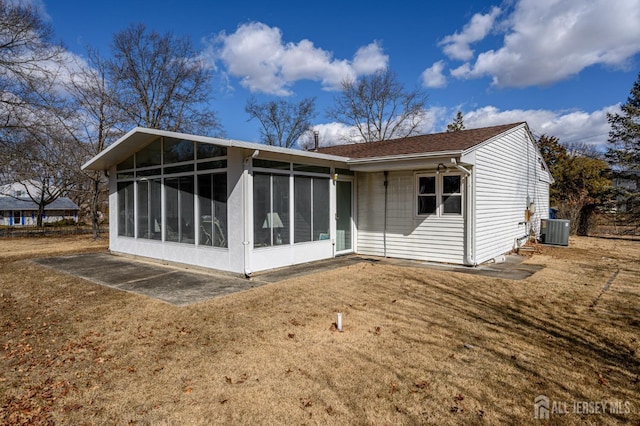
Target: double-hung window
point(451, 194)
point(438, 194)
point(427, 196)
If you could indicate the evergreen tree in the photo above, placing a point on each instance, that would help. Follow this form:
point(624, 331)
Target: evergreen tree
point(624, 136)
point(581, 182)
point(624, 152)
point(457, 124)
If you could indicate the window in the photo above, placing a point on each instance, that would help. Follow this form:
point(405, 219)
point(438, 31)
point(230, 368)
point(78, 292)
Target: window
point(427, 200)
point(177, 151)
point(439, 195)
point(212, 202)
point(270, 209)
point(149, 155)
point(206, 150)
point(311, 209)
point(148, 209)
point(142, 210)
point(179, 212)
point(125, 209)
point(451, 195)
point(269, 164)
point(320, 209)
point(302, 209)
point(126, 164)
point(311, 169)
point(141, 213)
point(207, 165)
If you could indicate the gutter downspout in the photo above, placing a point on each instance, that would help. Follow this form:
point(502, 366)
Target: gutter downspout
point(469, 257)
point(384, 232)
point(245, 213)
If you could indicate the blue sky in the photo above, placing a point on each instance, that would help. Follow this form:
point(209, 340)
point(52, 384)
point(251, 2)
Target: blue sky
point(560, 65)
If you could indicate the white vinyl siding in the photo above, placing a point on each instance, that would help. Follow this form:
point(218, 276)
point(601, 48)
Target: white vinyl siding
point(507, 176)
point(429, 238)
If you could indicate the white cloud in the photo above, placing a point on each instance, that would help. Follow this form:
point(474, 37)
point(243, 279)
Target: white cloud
point(550, 40)
point(38, 5)
point(257, 55)
point(369, 59)
point(456, 46)
point(329, 134)
point(432, 116)
point(461, 71)
point(433, 76)
point(339, 134)
point(569, 126)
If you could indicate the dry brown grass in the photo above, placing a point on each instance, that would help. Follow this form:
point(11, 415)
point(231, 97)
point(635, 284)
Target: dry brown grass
point(418, 346)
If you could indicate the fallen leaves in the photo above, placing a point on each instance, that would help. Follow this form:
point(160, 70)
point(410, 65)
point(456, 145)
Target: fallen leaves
point(603, 381)
point(457, 407)
point(295, 322)
point(243, 378)
point(422, 385)
point(393, 388)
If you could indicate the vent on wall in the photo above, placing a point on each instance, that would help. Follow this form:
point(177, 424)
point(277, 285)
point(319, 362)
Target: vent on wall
point(555, 231)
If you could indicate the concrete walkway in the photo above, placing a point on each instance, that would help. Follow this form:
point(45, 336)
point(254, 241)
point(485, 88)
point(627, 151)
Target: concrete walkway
point(181, 286)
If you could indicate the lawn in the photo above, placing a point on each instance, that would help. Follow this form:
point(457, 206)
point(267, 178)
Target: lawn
point(418, 346)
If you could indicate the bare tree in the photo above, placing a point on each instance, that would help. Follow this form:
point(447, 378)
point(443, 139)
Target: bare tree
point(379, 107)
point(26, 53)
point(282, 123)
point(161, 82)
point(28, 63)
point(43, 163)
point(90, 120)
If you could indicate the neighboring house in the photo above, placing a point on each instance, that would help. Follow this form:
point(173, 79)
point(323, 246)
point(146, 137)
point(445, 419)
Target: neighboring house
point(461, 197)
point(17, 209)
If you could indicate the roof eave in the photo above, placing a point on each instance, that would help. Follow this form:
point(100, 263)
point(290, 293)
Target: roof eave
point(405, 157)
point(495, 137)
point(119, 150)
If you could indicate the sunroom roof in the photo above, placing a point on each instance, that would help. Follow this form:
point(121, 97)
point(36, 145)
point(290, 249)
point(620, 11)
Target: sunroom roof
point(140, 137)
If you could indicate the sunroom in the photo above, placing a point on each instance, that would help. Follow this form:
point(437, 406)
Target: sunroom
point(225, 204)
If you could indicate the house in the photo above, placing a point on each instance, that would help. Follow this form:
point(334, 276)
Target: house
point(18, 209)
point(462, 197)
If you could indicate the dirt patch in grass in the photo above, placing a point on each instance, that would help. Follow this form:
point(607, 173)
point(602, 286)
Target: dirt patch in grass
point(418, 346)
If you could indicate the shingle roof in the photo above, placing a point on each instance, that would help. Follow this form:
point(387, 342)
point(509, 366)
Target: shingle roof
point(432, 143)
point(10, 203)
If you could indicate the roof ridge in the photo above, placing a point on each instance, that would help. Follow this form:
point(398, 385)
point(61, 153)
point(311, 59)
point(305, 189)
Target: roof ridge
point(403, 138)
point(431, 142)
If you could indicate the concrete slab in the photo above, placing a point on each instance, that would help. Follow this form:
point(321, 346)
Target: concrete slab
point(181, 286)
point(289, 272)
point(177, 286)
point(512, 268)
